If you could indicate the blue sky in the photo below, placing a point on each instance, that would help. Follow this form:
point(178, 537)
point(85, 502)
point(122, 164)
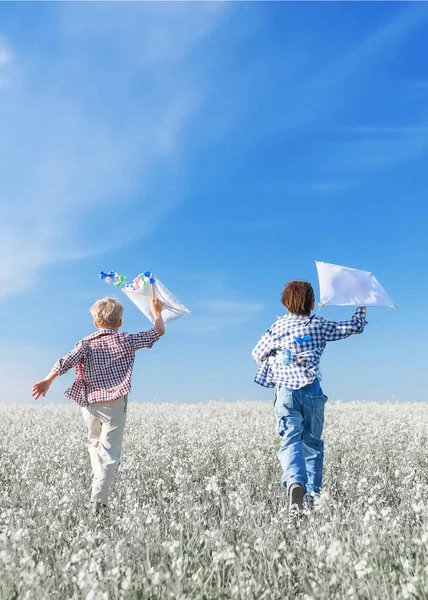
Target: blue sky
point(226, 147)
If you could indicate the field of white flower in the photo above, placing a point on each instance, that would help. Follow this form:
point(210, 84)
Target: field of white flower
point(199, 512)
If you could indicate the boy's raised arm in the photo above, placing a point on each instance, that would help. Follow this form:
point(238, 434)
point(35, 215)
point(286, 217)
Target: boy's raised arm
point(334, 331)
point(157, 313)
point(146, 339)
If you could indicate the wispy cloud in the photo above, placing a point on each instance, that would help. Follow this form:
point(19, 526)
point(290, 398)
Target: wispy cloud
point(420, 89)
point(84, 130)
point(231, 306)
point(336, 86)
point(320, 157)
point(379, 147)
point(215, 315)
point(328, 89)
point(5, 60)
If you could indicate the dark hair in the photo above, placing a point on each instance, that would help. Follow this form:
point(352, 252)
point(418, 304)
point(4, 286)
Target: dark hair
point(298, 297)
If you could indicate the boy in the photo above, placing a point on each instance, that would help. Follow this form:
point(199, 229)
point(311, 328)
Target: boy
point(289, 355)
point(104, 361)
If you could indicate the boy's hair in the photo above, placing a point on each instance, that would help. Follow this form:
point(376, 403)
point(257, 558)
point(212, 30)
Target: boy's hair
point(298, 297)
point(107, 311)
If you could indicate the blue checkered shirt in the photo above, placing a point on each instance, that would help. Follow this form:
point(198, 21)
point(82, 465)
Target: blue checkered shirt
point(304, 340)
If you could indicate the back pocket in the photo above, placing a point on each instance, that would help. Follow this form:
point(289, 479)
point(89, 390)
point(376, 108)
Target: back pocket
point(318, 403)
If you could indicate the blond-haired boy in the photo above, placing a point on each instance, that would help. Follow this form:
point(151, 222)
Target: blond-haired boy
point(104, 361)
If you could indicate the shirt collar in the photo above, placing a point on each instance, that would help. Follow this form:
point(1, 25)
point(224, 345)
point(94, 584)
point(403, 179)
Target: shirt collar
point(298, 317)
point(293, 317)
point(99, 333)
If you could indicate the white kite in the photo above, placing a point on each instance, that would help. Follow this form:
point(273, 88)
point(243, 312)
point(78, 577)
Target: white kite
point(141, 291)
point(342, 286)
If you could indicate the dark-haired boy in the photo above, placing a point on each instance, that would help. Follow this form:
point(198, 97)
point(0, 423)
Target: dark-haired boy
point(288, 355)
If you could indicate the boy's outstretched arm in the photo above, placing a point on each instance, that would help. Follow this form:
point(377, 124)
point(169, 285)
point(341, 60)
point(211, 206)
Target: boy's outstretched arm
point(73, 358)
point(338, 331)
point(41, 388)
point(263, 348)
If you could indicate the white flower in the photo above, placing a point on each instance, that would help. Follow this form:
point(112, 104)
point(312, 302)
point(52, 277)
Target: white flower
point(361, 569)
point(334, 551)
point(408, 590)
point(212, 485)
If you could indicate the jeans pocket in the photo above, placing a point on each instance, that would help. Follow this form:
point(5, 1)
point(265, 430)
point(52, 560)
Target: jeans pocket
point(318, 403)
point(284, 405)
point(317, 406)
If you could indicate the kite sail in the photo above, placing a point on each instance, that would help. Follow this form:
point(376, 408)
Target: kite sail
point(141, 291)
point(343, 286)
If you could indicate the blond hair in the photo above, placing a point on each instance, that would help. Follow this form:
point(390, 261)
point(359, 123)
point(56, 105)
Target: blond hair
point(107, 312)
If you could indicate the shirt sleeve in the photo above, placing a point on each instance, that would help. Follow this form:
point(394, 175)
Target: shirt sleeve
point(144, 339)
point(339, 331)
point(263, 348)
point(72, 359)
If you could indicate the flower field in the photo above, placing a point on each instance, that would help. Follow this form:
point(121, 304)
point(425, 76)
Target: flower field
point(199, 512)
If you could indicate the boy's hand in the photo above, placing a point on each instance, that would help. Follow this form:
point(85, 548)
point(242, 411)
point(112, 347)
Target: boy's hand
point(40, 389)
point(157, 306)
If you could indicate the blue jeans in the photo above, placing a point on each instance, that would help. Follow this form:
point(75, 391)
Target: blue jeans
point(300, 421)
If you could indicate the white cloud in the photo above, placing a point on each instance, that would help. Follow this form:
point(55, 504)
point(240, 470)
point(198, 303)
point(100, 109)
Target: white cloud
point(213, 323)
point(328, 89)
point(321, 100)
point(380, 147)
point(214, 315)
point(232, 306)
point(360, 150)
point(5, 60)
point(84, 129)
point(419, 89)
point(4, 55)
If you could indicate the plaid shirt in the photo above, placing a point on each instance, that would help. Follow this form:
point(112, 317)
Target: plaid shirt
point(104, 361)
point(305, 339)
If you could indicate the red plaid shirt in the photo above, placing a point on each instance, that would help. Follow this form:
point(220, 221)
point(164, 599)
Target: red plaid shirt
point(104, 363)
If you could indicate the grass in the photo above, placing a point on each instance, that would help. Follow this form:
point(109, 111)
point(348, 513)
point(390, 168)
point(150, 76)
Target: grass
point(199, 512)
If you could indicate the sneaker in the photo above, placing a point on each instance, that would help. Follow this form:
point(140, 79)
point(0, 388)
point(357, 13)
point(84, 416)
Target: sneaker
point(99, 507)
point(311, 500)
point(296, 495)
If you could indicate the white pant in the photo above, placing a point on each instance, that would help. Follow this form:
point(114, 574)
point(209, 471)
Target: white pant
point(106, 424)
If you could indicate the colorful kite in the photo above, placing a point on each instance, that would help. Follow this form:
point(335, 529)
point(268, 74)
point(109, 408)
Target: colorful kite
point(141, 291)
point(342, 286)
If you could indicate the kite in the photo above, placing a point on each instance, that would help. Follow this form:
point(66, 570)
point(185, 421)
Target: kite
point(143, 288)
point(342, 286)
